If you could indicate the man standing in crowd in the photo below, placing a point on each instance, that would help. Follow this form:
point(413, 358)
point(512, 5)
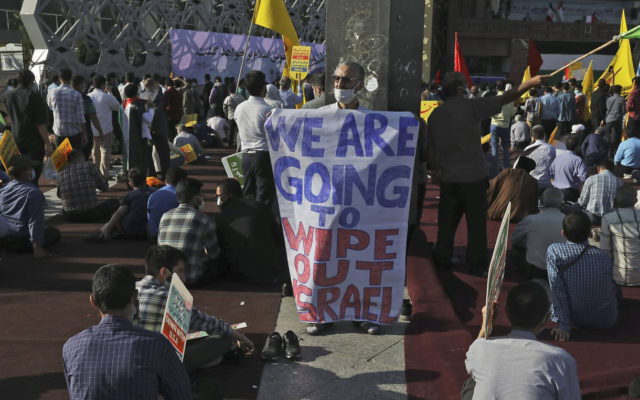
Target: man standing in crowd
point(499, 128)
point(289, 98)
point(458, 165)
point(599, 104)
point(256, 164)
point(633, 106)
point(229, 105)
point(163, 200)
point(320, 97)
point(90, 117)
point(598, 192)
point(549, 111)
point(28, 114)
point(159, 125)
point(620, 237)
point(348, 81)
point(613, 119)
point(68, 112)
point(161, 262)
point(206, 90)
point(217, 95)
point(136, 152)
point(580, 276)
point(22, 208)
point(77, 186)
point(105, 105)
point(189, 229)
point(116, 359)
point(567, 110)
point(518, 366)
point(173, 107)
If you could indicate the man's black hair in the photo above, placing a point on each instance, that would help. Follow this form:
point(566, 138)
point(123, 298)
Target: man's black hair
point(606, 164)
point(66, 74)
point(317, 80)
point(26, 78)
point(527, 164)
point(527, 305)
point(99, 81)
point(573, 142)
point(566, 86)
point(187, 189)
point(617, 89)
point(576, 227)
point(207, 77)
point(548, 89)
point(113, 287)
point(231, 187)
point(170, 83)
point(131, 90)
point(175, 175)
point(218, 79)
point(501, 85)
point(159, 256)
point(256, 82)
point(77, 80)
point(137, 177)
point(558, 85)
point(130, 77)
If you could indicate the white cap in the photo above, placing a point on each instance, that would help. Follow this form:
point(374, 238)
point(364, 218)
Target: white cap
point(578, 128)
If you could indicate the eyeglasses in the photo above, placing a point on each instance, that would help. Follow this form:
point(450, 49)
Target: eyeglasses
point(345, 79)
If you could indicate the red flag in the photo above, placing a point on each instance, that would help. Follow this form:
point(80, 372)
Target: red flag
point(458, 61)
point(567, 74)
point(534, 58)
point(437, 78)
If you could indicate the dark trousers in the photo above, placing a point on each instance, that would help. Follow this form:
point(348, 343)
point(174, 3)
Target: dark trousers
point(571, 194)
point(100, 213)
point(161, 143)
point(633, 126)
point(564, 128)
point(456, 200)
point(530, 271)
point(623, 169)
point(75, 140)
point(233, 133)
point(35, 153)
point(22, 244)
point(200, 352)
point(595, 122)
point(258, 177)
point(614, 134)
point(549, 126)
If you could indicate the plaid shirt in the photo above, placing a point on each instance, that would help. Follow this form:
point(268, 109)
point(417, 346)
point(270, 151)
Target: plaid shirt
point(598, 193)
point(77, 184)
point(620, 236)
point(152, 299)
point(68, 110)
point(192, 231)
point(118, 360)
point(584, 294)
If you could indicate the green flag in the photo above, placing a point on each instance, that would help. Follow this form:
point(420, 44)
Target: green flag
point(632, 33)
point(2, 120)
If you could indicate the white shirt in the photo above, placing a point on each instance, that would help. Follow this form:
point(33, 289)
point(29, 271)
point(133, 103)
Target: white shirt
point(543, 155)
point(334, 106)
point(250, 116)
point(518, 366)
point(105, 104)
point(220, 125)
point(290, 99)
point(536, 232)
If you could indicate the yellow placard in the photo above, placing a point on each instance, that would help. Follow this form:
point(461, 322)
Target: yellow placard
point(485, 139)
point(8, 149)
point(190, 120)
point(59, 156)
point(300, 60)
point(189, 153)
point(427, 107)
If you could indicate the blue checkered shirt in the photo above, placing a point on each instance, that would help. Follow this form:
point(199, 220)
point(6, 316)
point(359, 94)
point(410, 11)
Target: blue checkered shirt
point(192, 231)
point(598, 193)
point(118, 360)
point(152, 299)
point(68, 110)
point(583, 295)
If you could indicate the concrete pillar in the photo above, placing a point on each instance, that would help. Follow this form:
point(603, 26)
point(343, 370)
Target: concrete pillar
point(427, 40)
point(385, 37)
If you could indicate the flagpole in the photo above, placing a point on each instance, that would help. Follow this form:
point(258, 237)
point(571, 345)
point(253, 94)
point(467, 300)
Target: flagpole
point(246, 43)
point(609, 43)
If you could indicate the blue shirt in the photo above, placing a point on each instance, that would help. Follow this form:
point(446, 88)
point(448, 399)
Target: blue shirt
point(628, 153)
point(568, 171)
point(583, 295)
point(550, 107)
point(594, 148)
point(117, 360)
point(160, 201)
point(567, 110)
point(22, 206)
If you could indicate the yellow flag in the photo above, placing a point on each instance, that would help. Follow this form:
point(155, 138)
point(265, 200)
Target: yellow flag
point(587, 90)
point(273, 14)
point(620, 71)
point(525, 77)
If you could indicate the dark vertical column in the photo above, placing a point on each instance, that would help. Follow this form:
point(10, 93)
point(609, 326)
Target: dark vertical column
point(385, 37)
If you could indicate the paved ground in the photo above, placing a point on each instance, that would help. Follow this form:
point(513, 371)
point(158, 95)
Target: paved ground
point(344, 363)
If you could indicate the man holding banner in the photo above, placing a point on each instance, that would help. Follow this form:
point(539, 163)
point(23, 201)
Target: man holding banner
point(458, 165)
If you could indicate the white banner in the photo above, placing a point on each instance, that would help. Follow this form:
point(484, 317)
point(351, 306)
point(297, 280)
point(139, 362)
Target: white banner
point(343, 179)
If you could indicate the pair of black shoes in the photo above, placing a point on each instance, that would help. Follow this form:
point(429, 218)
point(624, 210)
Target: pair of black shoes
point(287, 344)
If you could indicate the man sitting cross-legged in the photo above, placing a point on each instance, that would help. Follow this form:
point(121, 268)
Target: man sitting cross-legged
point(580, 275)
point(116, 359)
point(161, 263)
point(77, 186)
point(518, 366)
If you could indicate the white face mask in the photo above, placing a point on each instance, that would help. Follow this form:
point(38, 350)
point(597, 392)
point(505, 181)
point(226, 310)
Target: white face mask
point(345, 96)
point(219, 201)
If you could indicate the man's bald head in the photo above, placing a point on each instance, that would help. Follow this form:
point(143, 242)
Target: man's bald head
point(538, 132)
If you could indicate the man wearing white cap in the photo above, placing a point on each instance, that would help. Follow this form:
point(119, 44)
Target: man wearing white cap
point(578, 128)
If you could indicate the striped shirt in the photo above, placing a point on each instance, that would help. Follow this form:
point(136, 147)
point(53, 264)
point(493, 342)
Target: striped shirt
point(583, 294)
point(598, 193)
point(192, 231)
point(118, 360)
point(620, 237)
point(152, 299)
point(68, 110)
